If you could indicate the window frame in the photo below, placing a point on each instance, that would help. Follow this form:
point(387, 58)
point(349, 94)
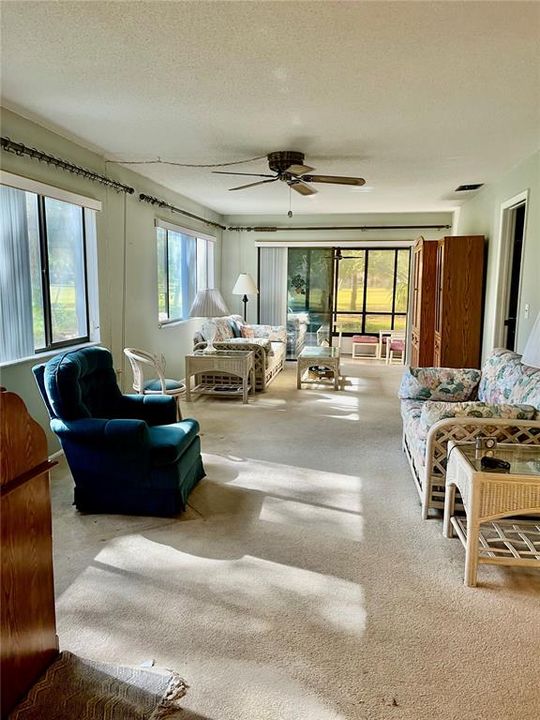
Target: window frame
point(46, 280)
point(88, 207)
point(210, 241)
point(364, 312)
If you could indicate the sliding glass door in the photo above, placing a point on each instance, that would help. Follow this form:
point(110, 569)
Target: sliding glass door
point(309, 297)
point(371, 290)
point(347, 291)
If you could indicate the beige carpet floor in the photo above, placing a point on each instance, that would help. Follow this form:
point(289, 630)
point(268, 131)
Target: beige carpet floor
point(303, 584)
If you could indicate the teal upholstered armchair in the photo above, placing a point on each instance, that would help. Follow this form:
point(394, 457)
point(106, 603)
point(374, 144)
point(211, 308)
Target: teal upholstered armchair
point(126, 452)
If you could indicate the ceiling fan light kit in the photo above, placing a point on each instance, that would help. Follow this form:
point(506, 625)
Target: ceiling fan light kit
point(289, 167)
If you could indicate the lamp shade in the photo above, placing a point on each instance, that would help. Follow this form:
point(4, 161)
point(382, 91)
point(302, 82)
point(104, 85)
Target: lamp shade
point(208, 303)
point(245, 285)
point(531, 354)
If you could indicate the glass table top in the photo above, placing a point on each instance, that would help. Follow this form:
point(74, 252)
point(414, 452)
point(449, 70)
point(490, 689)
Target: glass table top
point(523, 459)
point(319, 352)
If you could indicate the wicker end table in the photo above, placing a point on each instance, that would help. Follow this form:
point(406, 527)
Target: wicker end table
point(326, 357)
point(488, 498)
point(216, 366)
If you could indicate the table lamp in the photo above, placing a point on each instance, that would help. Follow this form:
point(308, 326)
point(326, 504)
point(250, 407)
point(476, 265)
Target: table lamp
point(208, 304)
point(245, 285)
point(531, 354)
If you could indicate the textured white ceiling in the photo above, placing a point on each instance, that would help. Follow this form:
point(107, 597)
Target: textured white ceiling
point(417, 97)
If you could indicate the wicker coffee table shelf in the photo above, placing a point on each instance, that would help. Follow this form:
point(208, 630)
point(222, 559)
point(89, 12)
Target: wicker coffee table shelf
point(518, 542)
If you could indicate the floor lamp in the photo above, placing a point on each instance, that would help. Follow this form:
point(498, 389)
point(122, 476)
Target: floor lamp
point(245, 285)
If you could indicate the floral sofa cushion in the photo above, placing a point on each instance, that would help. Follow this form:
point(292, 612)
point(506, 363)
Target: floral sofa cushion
point(430, 383)
point(506, 380)
point(432, 412)
point(500, 372)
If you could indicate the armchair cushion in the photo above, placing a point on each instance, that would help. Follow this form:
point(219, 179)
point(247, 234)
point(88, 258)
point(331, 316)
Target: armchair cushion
point(433, 383)
point(432, 412)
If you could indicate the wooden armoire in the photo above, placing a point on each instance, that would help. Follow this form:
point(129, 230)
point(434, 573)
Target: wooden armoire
point(448, 291)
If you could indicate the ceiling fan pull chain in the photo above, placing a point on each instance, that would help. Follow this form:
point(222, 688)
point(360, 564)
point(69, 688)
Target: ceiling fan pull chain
point(289, 214)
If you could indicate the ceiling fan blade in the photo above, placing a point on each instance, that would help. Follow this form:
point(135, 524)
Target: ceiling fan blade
point(225, 172)
point(298, 169)
point(261, 182)
point(302, 188)
point(334, 179)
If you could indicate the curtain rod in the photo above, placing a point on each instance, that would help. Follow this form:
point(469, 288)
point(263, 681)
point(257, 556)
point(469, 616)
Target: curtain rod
point(162, 204)
point(343, 227)
point(16, 148)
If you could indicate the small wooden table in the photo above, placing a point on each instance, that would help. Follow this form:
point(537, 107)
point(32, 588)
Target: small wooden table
point(214, 366)
point(326, 357)
point(489, 496)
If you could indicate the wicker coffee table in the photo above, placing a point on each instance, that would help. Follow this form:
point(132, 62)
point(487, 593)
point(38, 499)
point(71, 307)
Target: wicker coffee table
point(325, 357)
point(220, 369)
point(489, 499)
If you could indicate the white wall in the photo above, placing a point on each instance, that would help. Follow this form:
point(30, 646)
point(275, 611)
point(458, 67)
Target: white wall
point(481, 215)
point(240, 252)
point(125, 229)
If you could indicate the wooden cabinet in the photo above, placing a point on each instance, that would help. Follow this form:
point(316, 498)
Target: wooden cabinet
point(29, 641)
point(447, 302)
point(423, 303)
point(459, 295)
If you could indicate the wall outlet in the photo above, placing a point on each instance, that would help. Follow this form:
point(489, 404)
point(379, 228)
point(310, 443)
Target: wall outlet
point(526, 311)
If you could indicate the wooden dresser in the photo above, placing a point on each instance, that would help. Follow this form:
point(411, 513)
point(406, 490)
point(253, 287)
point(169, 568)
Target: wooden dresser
point(447, 302)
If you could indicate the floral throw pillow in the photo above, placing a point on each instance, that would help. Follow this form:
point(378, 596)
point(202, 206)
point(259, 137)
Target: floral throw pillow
point(247, 331)
point(433, 383)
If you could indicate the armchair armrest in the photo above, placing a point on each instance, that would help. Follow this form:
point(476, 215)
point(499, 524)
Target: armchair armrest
point(153, 409)
point(112, 433)
point(434, 383)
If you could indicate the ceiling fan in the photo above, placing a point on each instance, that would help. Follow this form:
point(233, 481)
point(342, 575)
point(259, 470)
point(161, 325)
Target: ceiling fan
point(289, 167)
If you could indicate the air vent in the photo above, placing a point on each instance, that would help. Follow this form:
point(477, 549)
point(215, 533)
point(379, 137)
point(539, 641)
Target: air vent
point(472, 186)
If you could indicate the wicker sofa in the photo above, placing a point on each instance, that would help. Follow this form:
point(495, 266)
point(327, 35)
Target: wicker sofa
point(268, 342)
point(442, 404)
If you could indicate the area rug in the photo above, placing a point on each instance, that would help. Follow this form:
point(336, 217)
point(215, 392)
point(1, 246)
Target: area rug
point(73, 687)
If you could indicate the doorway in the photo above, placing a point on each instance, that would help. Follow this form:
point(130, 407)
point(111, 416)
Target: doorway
point(512, 240)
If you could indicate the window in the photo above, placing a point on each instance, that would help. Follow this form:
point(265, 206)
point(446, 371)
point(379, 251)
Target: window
point(185, 264)
point(372, 290)
point(44, 293)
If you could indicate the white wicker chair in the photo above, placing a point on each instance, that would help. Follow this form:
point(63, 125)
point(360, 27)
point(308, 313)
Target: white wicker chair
point(158, 386)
